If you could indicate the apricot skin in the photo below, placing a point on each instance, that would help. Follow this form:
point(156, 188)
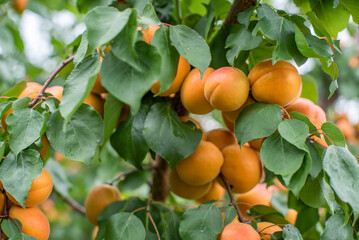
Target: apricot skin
point(20, 5)
point(227, 89)
point(185, 190)
point(239, 231)
point(34, 222)
point(228, 123)
point(291, 216)
point(241, 167)
point(149, 32)
point(202, 166)
point(221, 138)
point(96, 102)
point(266, 229)
point(277, 84)
point(215, 193)
point(98, 199)
point(192, 92)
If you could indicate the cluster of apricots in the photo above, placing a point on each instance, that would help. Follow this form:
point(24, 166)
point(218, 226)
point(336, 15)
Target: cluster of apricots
point(33, 220)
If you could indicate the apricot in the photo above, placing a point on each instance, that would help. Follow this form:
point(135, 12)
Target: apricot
point(34, 222)
point(202, 166)
point(229, 124)
point(291, 216)
point(232, 116)
point(98, 88)
point(40, 190)
point(242, 167)
point(96, 102)
point(20, 5)
point(59, 157)
point(2, 202)
point(149, 32)
point(227, 89)
point(346, 128)
point(256, 144)
point(94, 233)
point(277, 84)
point(221, 138)
point(98, 199)
point(188, 118)
point(56, 91)
point(215, 193)
point(192, 92)
point(239, 231)
point(259, 195)
point(266, 229)
point(182, 71)
point(185, 190)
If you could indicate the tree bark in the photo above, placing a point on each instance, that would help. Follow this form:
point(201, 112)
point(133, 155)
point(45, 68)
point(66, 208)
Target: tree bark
point(237, 7)
point(160, 186)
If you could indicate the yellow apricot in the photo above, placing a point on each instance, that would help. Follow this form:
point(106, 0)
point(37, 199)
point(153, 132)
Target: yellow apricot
point(98, 88)
point(202, 166)
point(149, 32)
point(215, 193)
point(277, 84)
point(239, 231)
point(291, 216)
point(232, 116)
point(229, 124)
point(182, 71)
point(96, 102)
point(192, 92)
point(98, 199)
point(56, 91)
point(242, 167)
point(40, 190)
point(256, 144)
point(221, 138)
point(33, 221)
point(227, 89)
point(188, 118)
point(185, 190)
point(266, 229)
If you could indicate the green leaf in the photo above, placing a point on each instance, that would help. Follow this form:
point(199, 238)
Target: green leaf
point(245, 16)
point(305, 119)
point(191, 46)
point(229, 213)
point(83, 133)
point(280, 156)
point(22, 236)
point(331, 68)
point(218, 50)
point(333, 19)
point(334, 133)
point(10, 228)
point(24, 127)
point(113, 109)
point(169, 226)
point(337, 228)
point(309, 88)
point(58, 174)
point(121, 226)
point(240, 39)
point(257, 120)
point(4, 107)
point(291, 233)
point(352, 6)
point(126, 83)
point(343, 171)
point(78, 85)
point(128, 140)
point(332, 88)
point(202, 223)
point(82, 49)
point(16, 90)
point(17, 173)
point(149, 15)
point(104, 23)
point(306, 219)
point(295, 132)
point(168, 136)
point(267, 214)
point(169, 56)
point(317, 164)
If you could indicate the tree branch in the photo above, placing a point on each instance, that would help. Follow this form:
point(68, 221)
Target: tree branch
point(237, 7)
point(49, 80)
point(160, 186)
point(73, 204)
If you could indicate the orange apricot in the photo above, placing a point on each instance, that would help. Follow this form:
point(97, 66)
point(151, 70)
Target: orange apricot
point(266, 229)
point(56, 91)
point(182, 71)
point(221, 138)
point(215, 193)
point(45, 146)
point(346, 128)
point(278, 84)
point(242, 167)
point(33, 221)
point(192, 92)
point(59, 157)
point(202, 166)
point(185, 190)
point(40, 190)
point(291, 216)
point(149, 32)
point(188, 118)
point(94, 233)
point(20, 5)
point(98, 199)
point(256, 144)
point(232, 116)
point(96, 102)
point(227, 89)
point(239, 231)
point(229, 124)
point(98, 88)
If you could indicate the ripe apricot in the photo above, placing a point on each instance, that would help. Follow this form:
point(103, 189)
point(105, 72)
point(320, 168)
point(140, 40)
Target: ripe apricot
point(56, 91)
point(185, 190)
point(215, 193)
point(20, 5)
point(182, 71)
point(33, 221)
point(188, 118)
point(227, 89)
point(59, 157)
point(346, 128)
point(40, 190)
point(291, 216)
point(221, 138)
point(149, 32)
point(96, 102)
point(259, 195)
point(239, 231)
point(256, 144)
point(98, 199)
point(45, 146)
point(266, 229)
point(278, 84)
point(242, 167)
point(232, 116)
point(192, 92)
point(202, 166)
point(229, 124)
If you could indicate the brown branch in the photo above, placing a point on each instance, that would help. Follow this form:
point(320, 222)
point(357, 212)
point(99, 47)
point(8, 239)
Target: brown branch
point(237, 7)
point(128, 172)
point(160, 184)
point(154, 224)
point(49, 80)
point(233, 201)
point(73, 204)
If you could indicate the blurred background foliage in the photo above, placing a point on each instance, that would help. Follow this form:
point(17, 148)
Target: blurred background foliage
point(34, 42)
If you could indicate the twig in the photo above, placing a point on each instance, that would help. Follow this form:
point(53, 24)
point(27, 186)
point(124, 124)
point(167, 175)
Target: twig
point(286, 112)
point(325, 135)
point(128, 172)
point(149, 201)
point(73, 204)
point(166, 24)
point(237, 7)
point(48, 81)
point(233, 201)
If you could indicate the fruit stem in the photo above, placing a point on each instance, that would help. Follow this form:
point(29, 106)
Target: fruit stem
point(49, 80)
point(237, 7)
point(286, 112)
point(233, 201)
point(325, 135)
